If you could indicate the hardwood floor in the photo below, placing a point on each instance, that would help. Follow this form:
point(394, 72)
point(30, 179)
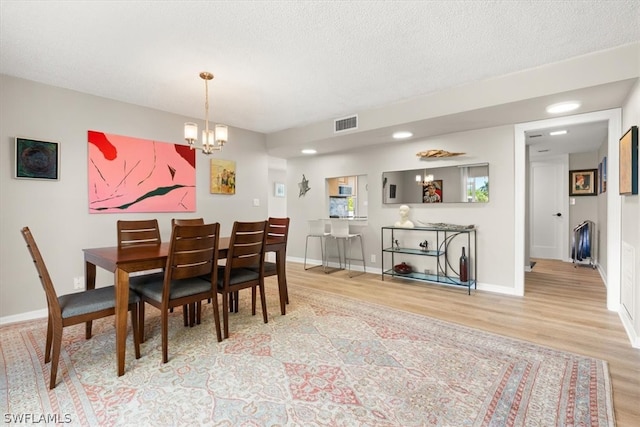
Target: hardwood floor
point(564, 308)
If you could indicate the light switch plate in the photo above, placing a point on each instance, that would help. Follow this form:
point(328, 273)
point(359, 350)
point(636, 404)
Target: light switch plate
point(256, 202)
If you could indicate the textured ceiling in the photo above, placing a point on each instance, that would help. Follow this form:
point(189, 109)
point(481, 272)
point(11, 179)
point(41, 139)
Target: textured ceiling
point(280, 65)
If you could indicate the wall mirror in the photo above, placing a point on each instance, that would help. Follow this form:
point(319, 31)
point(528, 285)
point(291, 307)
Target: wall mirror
point(449, 184)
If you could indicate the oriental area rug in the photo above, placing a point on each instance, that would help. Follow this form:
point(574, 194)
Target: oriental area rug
point(330, 361)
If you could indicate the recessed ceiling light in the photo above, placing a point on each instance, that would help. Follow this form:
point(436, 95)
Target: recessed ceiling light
point(402, 135)
point(563, 107)
point(309, 151)
point(558, 132)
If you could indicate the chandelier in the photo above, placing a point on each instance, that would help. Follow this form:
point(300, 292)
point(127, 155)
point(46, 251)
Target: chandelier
point(212, 139)
point(428, 179)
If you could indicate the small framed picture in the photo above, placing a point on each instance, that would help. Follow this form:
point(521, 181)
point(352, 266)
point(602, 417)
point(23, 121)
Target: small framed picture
point(629, 162)
point(278, 189)
point(583, 182)
point(36, 159)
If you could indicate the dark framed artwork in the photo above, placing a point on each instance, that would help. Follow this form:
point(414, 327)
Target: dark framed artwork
point(432, 192)
point(583, 182)
point(36, 159)
point(600, 178)
point(604, 174)
point(629, 162)
point(392, 191)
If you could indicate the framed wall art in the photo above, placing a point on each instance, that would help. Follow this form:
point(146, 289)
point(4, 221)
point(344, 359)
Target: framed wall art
point(604, 174)
point(36, 159)
point(583, 182)
point(629, 162)
point(600, 187)
point(432, 192)
point(129, 174)
point(223, 176)
point(278, 189)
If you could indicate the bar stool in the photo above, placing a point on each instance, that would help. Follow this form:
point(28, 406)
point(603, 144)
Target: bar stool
point(340, 232)
point(316, 229)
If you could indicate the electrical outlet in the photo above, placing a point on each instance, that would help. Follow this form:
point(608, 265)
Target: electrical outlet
point(78, 282)
point(373, 257)
point(256, 202)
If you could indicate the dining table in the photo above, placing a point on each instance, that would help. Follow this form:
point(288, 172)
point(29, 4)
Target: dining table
point(122, 261)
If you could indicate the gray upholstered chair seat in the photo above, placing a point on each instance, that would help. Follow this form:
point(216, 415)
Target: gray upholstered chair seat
point(269, 268)
point(137, 282)
point(238, 275)
point(91, 301)
point(178, 289)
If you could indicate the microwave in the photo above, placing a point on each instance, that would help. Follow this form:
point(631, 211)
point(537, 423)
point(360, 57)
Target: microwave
point(345, 190)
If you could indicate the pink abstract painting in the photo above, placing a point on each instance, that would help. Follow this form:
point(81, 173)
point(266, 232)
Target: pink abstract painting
point(137, 175)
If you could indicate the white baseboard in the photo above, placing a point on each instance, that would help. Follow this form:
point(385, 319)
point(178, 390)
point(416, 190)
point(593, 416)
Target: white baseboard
point(22, 317)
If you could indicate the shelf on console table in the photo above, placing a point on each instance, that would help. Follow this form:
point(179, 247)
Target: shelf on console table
point(444, 236)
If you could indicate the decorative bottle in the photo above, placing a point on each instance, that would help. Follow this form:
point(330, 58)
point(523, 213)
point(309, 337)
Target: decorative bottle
point(464, 267)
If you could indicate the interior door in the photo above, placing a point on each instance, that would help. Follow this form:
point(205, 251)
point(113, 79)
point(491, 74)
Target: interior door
point(549, 208)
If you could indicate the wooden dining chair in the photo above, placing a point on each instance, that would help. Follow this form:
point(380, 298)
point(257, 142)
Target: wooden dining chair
point(143, 232)
point(277, 231)
point(192, 312)
point(75, 308)
point(244, 267)
point(193, 253)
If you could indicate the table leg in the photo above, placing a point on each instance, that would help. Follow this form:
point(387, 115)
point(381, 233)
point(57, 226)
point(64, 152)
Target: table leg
point(122, 304)
point(281, 262)
point(90, 283)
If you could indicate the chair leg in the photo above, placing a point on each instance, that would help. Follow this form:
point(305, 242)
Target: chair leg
point(47, 347)
point(216, 316)
point(141, 321)
point(253, 301)
point(364, 267)
point(185, 314)
point(225, 313)
point(55, 356)
point(135, 328)
point(199, 312)
point(323, 252)
point(305, 253)
point(165, 336)
point(263, 302)
point(87, 330)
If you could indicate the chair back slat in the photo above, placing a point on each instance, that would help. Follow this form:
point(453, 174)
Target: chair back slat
point(278, 229)
point(43, 272)
point(142, 232)
point(193, 251)
point(186, 221)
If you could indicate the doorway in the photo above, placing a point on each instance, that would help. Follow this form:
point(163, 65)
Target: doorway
point(614, 124)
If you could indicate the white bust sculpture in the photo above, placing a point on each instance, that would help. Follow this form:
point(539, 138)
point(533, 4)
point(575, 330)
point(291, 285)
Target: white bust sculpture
point(404, 218)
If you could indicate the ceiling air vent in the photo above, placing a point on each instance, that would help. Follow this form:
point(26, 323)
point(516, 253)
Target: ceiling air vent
point(345, 123)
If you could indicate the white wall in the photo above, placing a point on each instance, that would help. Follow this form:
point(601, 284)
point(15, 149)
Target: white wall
point(495, 220)
point(57, 212)
point(631, 220)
